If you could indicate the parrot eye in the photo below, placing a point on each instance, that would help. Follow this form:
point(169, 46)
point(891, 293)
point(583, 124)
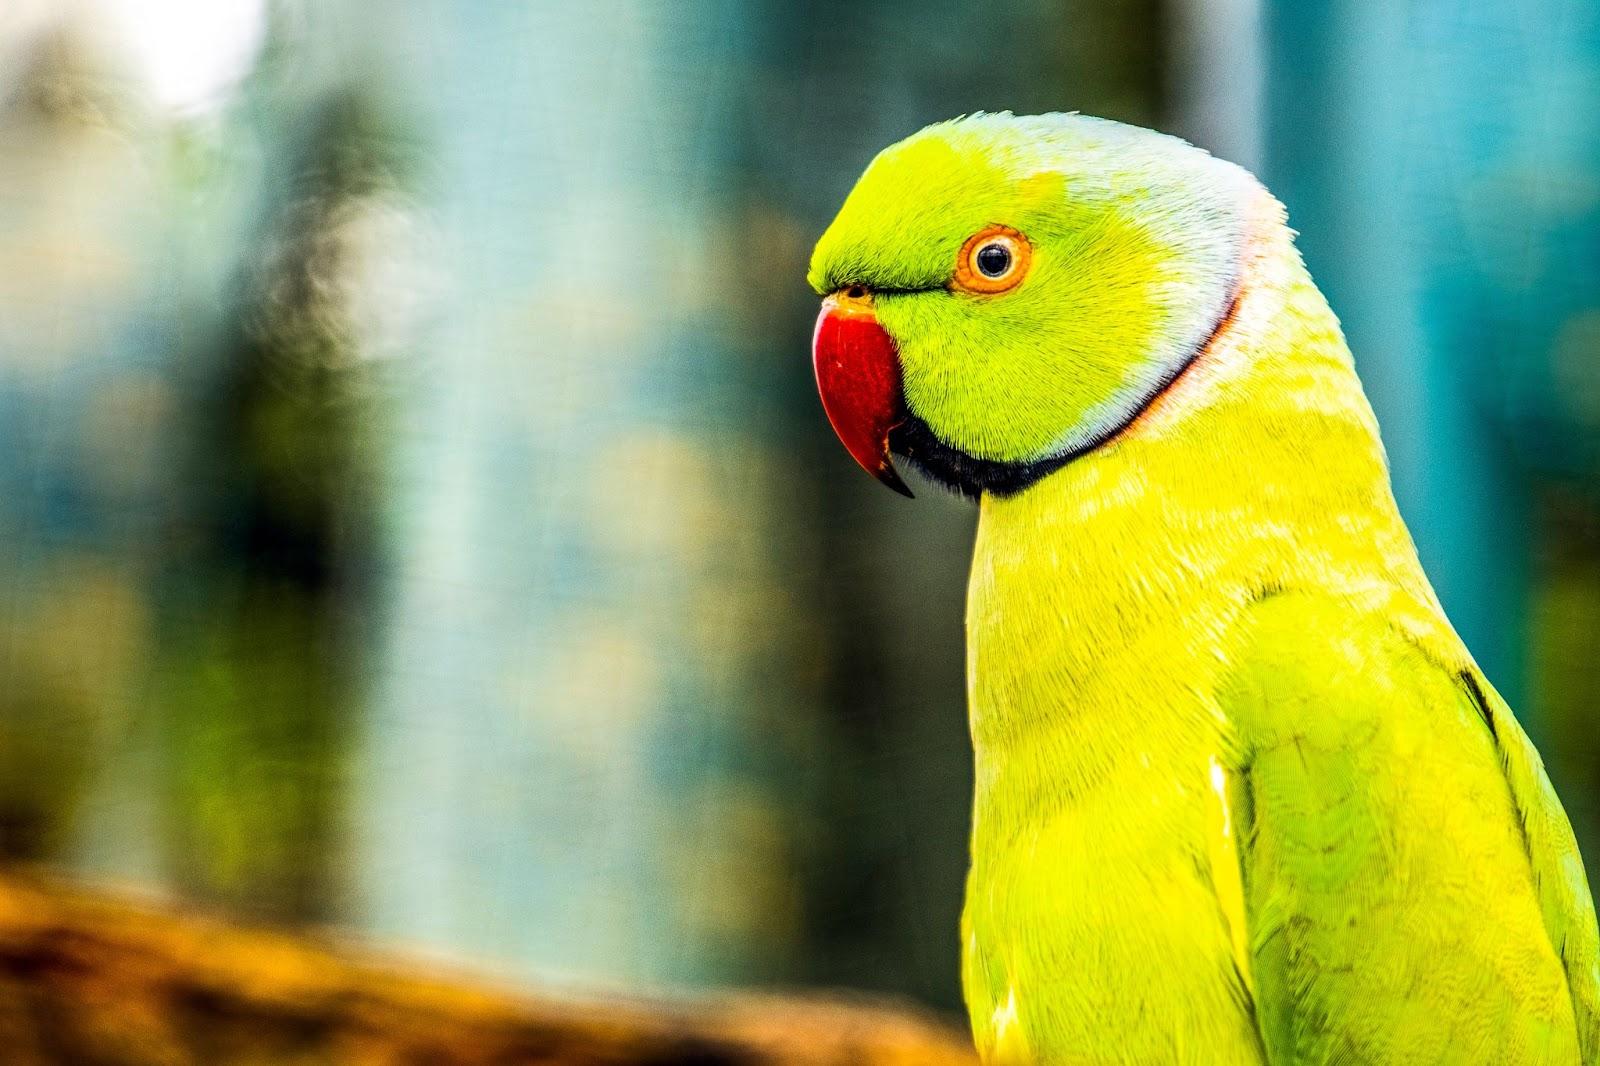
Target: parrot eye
point(993, 260)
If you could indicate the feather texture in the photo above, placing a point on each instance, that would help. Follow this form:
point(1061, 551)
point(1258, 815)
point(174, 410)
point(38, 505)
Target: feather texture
point(1242, 796)
point(1210, 684)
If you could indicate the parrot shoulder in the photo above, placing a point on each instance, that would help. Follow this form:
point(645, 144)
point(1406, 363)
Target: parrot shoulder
point(1412, 887)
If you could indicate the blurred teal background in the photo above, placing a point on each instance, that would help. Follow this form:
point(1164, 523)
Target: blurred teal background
point(415, 508)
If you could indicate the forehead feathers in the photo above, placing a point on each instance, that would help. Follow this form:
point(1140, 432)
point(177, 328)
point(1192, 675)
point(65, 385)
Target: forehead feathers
point(904, 222)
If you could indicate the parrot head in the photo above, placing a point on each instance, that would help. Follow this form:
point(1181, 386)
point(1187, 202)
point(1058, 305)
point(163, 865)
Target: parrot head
point(1005, 293)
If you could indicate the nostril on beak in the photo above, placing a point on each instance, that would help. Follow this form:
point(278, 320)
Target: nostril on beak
point(856, 292)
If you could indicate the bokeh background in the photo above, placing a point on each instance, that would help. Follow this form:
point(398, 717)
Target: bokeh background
point(415, 510)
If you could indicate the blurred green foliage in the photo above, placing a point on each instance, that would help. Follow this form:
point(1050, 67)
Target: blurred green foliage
point(266, 589)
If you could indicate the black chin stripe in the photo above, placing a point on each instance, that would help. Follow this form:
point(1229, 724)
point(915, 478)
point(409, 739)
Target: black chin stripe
point(957, 470)
point(971, 477)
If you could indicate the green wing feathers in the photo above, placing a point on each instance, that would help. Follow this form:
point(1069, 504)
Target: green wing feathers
point(1413, 890)
point(1563, 888)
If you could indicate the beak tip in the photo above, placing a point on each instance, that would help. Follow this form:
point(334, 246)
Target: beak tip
point(891, 477)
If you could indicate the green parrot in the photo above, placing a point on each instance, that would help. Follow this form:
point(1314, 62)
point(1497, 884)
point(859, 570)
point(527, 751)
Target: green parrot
point(1242, 795)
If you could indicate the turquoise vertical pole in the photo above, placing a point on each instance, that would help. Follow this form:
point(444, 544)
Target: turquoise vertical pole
point(551, 772)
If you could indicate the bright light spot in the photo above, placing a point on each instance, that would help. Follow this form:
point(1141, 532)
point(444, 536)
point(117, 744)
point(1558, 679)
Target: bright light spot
point(1219, 785)
point(1005, 1015)
point(189, 53)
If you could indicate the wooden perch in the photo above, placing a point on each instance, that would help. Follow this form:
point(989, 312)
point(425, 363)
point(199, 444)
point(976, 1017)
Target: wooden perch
point(88, 979)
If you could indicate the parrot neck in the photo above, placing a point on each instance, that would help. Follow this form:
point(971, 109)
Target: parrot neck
point(1102, 598)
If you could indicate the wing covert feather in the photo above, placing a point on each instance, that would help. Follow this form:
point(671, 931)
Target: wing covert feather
point(1413, 889)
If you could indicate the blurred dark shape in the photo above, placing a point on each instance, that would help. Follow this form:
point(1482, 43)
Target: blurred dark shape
point(268, 617)
point(883, 806)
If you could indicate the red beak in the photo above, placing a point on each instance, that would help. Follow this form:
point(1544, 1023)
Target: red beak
point(858, 375)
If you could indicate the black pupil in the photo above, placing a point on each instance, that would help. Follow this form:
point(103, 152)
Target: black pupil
point(994, 260)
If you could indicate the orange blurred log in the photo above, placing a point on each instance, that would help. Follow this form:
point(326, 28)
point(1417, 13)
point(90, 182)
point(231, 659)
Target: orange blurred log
point(88, 978)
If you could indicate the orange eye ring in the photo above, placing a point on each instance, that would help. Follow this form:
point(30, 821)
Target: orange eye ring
point(994, 260)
